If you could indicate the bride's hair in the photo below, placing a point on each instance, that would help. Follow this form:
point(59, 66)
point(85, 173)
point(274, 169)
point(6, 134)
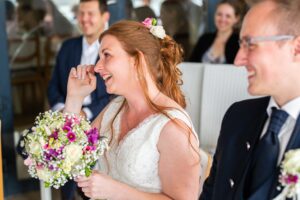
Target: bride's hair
point(161, 56)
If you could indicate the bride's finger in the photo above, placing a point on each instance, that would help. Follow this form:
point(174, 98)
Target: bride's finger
point(93, 80)
point(84, 71)
point(90, 68)
point(78, 70)
point(73, 72)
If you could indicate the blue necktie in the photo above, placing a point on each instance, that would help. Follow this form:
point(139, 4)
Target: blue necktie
point(265, 156)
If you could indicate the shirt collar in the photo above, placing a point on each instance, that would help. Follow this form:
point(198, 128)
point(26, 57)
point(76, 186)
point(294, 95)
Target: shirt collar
point(292, 107)
point(86, 45)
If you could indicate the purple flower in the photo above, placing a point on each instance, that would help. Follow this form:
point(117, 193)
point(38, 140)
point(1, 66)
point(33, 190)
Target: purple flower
point(54, 135)
point(90, 148)
point(59, 151)
point(93, 136)
point(291, 179)
point(51, 154)
point(71, 136)
point(51, 167)
point(67, 128)
point(68, 122)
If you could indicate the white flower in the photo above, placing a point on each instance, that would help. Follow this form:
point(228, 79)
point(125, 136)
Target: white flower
point(42, 141)
point(35, 148)
point(66, 166)
point(290, 175)
point(291, 163)
point(158, 31)
point(73, 153)
point(47, 130)
point(43, 174)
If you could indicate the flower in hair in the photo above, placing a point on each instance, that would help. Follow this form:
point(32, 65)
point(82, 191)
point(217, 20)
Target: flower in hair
point(156, 30)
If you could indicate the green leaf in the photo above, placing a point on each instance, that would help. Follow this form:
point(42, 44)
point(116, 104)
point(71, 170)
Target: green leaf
point(47, 184)
point(154, 21)
point(88, 171)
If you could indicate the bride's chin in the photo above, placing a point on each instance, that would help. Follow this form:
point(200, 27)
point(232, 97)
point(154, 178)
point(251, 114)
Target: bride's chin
point(110, 90)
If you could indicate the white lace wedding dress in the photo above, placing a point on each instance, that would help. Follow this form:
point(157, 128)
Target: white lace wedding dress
point(134, 160)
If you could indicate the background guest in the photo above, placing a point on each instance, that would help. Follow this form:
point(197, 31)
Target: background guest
point(144, 11)
point(175, 21)
point(256, 133)
point(222, 45)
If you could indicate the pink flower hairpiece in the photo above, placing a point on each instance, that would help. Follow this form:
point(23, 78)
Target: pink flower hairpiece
point(156, 30)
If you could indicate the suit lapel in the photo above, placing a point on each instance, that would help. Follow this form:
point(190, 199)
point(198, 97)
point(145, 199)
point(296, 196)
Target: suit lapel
point(244, 153)
point(77, 51)
point(295, 138)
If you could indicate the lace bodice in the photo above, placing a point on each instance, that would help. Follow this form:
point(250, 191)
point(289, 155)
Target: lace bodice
point(134, 160)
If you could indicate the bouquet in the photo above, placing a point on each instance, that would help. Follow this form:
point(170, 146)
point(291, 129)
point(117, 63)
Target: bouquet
point(290, 174)
point(61, 146)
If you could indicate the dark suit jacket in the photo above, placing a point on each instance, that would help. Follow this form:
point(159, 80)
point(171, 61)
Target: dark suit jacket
point(69, 56)
point(241, 129)
point(205, 42)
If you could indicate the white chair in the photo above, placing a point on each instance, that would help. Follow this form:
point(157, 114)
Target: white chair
point(192, 76)
point(222, 86)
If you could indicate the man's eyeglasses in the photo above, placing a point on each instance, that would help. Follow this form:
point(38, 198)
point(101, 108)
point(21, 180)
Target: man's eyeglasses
point(246, 42)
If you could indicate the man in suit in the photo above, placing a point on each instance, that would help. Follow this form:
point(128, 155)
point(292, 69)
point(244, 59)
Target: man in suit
point(256, 133)
point(92, 17)
point(83, 50)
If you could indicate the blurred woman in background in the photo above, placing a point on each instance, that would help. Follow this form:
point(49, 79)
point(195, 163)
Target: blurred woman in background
point(221, 46)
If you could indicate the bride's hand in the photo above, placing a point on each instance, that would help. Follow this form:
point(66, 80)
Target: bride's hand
point(81, 82)
point(97, 185)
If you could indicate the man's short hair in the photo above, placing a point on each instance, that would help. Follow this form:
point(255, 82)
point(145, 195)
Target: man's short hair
point(286, 15)
point(102, 5)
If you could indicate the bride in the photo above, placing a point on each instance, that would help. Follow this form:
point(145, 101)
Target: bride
point(154, 150)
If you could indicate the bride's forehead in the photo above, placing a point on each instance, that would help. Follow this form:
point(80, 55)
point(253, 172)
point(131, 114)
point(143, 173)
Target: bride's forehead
point(111, 42)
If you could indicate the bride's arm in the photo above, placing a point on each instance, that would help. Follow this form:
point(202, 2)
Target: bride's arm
point(179, 164)
point(179, 169)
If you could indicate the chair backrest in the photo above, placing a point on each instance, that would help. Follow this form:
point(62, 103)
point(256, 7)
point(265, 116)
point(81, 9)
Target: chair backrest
point(24, 53)
point(222, 86)
point(192, 76)
point(209, 90)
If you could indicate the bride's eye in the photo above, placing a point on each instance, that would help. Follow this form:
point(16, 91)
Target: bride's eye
point(106, 54)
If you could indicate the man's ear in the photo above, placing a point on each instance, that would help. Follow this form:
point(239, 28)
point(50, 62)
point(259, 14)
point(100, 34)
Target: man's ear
point(297, 48)
point(106, 16)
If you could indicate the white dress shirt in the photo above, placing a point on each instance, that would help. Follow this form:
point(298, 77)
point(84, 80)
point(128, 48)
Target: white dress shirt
point(293, 109)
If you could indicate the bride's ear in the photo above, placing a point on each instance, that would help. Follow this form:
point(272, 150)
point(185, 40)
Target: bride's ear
point(141, 67)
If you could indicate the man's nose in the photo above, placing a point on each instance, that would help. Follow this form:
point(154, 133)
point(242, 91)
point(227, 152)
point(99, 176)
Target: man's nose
point(240, 58)
point(84, 17)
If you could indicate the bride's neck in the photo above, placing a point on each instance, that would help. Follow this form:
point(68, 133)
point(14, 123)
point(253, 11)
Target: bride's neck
point(137, 103)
